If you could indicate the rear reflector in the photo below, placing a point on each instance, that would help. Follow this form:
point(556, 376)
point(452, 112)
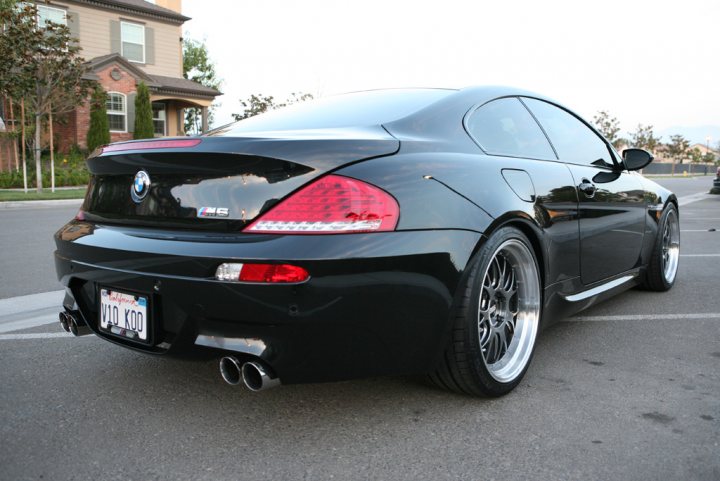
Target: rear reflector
point(331, 205)
point(151, 144)
point(264, 273)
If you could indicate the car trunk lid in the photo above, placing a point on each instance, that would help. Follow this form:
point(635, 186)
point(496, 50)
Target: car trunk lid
point(222, 183)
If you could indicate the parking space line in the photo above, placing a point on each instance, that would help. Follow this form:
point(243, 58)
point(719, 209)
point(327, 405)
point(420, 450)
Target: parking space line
point(37, 335)
point(28, 323)
point(43, 300)
point(647, 317)
point(689, 199)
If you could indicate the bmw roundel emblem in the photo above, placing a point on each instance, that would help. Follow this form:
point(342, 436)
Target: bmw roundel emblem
point(140, 186)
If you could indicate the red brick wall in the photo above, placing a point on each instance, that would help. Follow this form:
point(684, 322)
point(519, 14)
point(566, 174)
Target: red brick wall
point(65, 132)
point(75, 131)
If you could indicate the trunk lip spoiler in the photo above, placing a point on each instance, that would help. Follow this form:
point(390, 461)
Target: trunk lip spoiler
point(150, 145)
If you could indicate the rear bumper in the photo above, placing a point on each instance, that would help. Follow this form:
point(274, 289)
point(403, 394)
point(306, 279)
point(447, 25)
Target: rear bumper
point(375, 303)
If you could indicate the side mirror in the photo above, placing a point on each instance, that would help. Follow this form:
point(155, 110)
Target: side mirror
point(636, 159)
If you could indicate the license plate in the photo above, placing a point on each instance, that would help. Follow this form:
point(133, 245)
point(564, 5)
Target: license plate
point(124, 314)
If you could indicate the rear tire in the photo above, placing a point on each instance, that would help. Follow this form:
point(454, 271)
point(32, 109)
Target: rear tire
point(662, 269)
point(496, 319)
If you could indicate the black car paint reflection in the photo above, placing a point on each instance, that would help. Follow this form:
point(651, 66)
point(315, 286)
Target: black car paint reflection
point(376, 302)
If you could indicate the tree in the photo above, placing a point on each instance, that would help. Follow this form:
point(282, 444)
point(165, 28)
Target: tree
point(99, 131)
point(258, 104)
point(608, 126)
point(678, 148)
point(143, 114)
point(39, 64)
point(255, 105)
point(695, 155)
point(644, 138)
point(198, 67)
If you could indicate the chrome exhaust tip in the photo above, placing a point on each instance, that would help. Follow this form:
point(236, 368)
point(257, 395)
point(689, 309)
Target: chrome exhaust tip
point(76, 325)
point(64, 321)
point(230, 369)
point(257, 378)
point(252, 374)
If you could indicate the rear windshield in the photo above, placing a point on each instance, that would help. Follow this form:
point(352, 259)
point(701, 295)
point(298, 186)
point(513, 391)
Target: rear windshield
point(358, 109)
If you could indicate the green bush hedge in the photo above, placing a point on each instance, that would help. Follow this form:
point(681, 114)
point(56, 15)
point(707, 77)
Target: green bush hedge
point(64, 177)
point(70, 170)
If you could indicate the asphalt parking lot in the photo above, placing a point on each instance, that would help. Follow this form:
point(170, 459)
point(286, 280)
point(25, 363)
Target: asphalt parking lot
point(629, 389)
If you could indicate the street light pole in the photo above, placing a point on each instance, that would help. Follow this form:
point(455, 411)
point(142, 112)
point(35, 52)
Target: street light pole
point(707, 150)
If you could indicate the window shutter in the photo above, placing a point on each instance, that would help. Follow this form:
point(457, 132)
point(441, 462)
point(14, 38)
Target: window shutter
point(73, 22)
point(149, 46)
point(115, 37)
point(131, 112)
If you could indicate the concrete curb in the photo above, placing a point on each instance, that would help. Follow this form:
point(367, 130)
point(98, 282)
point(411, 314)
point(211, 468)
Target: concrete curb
point(22, 204)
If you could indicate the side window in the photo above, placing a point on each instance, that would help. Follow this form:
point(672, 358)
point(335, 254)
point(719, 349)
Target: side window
point(573, 140)
point(505, 127)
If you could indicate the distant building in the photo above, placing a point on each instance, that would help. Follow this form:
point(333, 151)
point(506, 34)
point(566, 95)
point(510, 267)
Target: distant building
point(126, 42)
point(704, 149)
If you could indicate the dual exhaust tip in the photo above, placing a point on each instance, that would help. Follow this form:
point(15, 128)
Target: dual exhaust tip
point(72, 322)
point(252, 374)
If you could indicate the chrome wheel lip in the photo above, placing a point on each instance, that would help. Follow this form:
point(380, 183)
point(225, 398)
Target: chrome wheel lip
point(670, 247)
point(513, 361)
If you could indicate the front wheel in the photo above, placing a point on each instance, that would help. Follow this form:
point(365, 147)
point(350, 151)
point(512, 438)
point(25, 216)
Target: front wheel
point(496, 319)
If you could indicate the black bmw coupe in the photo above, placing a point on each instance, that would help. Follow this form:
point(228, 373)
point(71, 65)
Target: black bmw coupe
point(382, 232)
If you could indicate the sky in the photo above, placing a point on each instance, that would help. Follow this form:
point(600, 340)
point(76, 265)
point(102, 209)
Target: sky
point(650, 62)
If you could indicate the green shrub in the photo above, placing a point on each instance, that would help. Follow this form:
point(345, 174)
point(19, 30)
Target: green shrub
point(143, 114)
point(65, 176)
point(99, 131)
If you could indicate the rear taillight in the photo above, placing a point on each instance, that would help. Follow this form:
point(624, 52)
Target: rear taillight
point(151, 144)
point(263, 273)
point(333, 204)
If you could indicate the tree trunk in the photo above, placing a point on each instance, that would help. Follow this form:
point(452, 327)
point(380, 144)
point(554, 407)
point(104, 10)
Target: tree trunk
point(38, 151)
point(2, 142)
point(52, 152)
point(15, 140)
point(24, 159)
point(4, 149)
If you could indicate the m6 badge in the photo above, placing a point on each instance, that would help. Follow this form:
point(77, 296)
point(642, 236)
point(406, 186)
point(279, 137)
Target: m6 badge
point(213, 212)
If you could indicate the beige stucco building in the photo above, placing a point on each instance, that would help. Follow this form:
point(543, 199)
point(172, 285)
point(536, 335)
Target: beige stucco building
point(127, 42)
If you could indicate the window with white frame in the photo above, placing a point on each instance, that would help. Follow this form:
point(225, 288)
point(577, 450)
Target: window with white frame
point(117, 112)
point(47, 14)
point(159, 118)
point(132, 36)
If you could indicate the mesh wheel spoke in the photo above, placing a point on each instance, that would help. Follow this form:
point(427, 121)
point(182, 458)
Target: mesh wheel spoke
point(510, 285)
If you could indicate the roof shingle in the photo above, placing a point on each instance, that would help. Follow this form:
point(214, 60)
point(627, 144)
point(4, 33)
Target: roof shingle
point(139, 6)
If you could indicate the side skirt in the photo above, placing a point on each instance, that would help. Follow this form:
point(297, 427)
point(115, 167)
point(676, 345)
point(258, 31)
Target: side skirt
point(565, 299)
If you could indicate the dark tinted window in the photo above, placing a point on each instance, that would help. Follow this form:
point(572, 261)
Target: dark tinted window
point(573, 140)
point(349, 110)
point(505, 127)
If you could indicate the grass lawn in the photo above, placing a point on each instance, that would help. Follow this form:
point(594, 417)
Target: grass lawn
point(15, 195)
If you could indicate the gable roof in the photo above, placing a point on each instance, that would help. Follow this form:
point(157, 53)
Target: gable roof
point(97, 63)
point(156, 83)
point(138, 7)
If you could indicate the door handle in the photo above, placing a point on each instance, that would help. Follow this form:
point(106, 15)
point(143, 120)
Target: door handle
point(587, 188)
